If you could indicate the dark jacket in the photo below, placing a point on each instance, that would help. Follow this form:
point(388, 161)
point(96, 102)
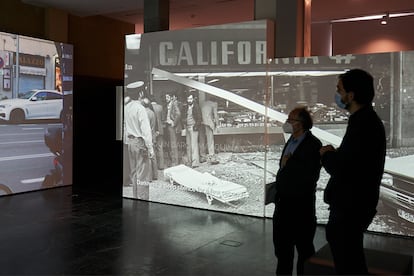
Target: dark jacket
point(175, 115)
point(196, 112)
point(356, 167)
point(296, 181)
point(159, 113)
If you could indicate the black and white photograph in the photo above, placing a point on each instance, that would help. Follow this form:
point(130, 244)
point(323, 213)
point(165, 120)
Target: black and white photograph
point(212, 107)
point(206, 133)
point(311, 82)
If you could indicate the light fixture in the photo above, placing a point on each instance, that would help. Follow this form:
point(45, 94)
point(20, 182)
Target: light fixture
point(369, 17)
point(384, 20)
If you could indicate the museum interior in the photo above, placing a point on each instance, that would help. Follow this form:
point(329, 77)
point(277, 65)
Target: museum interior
point(89, 220)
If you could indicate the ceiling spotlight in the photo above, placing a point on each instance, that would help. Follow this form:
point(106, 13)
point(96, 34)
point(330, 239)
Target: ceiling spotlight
point(384, 20)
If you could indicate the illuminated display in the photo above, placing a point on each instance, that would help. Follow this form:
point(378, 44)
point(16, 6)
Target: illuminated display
point(221, 159)
point(35, 114)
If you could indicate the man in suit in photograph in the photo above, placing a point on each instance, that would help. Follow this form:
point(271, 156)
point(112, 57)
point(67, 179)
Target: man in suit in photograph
point(173, 126)
point(209, 124)
point(159, 131)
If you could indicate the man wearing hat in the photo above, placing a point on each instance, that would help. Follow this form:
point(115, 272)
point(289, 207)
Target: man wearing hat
point(138, 137)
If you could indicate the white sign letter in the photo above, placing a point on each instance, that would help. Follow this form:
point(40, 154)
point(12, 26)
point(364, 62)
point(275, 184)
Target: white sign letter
point(225, 52)
point(244, 50)
point(185, 54)
point(164, 47)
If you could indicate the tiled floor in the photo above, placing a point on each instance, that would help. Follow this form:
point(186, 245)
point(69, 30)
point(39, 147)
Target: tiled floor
point(61, 232)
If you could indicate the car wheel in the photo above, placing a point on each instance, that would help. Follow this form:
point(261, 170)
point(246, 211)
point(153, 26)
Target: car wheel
point(4, 190)
point(17, 116)
point(49, 181)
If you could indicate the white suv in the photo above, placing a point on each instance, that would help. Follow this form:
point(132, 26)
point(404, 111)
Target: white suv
point(34, 104)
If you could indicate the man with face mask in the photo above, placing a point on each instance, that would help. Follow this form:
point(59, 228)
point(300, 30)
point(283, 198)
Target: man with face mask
point(294, 219)
point(356, 169)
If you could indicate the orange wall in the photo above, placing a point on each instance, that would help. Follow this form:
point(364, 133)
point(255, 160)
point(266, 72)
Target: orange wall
point(207, 13)
point(56, 25)
point(320, 40)
point(352, 37)
point(98, 46)
point(323, 10)
point(372, 37)
point(99, 41)
point(221, 12)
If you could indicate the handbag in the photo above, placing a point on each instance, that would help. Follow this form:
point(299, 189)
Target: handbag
point(270, 193)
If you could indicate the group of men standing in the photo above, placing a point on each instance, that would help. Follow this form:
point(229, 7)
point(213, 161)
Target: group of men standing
point(199, 122)
point(153, 133)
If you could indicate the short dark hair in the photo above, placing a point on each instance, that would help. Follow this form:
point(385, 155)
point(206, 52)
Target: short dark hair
point(361, 83)
point(191, 94)
point(305, 117)
point(171, 93)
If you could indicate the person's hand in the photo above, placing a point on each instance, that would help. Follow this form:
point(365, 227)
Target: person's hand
point(151, 153)
point(325, 149)
point(170, 122)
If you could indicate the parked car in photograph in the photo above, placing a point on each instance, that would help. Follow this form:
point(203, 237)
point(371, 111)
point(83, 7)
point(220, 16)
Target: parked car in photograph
point(34, 104)
point(5, 190)
point(397, 188)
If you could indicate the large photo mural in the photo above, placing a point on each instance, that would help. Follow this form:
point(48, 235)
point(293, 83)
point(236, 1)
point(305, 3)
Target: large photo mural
point(212, 105)
point(203, 161)
point(312, 82)
point(35, 114)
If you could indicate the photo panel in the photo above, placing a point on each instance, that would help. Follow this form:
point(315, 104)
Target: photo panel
point(35, 114)
point(222, 158)
point(311, 82)
point(209, 85)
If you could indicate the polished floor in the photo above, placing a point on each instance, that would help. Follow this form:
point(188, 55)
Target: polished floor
point(62, 232)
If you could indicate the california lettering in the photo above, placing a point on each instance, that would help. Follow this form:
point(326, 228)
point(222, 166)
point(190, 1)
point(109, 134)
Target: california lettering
point(212, 53)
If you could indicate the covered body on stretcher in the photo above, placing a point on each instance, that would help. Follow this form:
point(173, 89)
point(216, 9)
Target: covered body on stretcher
point(211, 186)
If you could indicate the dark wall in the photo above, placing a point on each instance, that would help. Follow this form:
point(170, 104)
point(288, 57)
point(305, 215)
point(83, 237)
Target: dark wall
point(97, 155)
point(98, 68)
point(19, 18)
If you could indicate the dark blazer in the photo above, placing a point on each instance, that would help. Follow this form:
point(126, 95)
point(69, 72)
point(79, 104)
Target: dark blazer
point(356, 167)
point(196, 115)
point(209, 114)
point(296, 181)
point(158, 110)
point(175, 115)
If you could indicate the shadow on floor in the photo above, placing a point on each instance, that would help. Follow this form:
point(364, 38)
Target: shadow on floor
point(57, 231)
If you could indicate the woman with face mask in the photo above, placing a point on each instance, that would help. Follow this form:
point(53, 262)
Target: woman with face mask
point(294, 219)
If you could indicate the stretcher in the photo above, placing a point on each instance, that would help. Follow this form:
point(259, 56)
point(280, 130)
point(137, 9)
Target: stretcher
point(213, 187)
